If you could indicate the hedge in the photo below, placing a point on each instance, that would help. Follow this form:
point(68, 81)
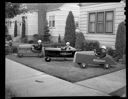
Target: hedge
point(120, 43)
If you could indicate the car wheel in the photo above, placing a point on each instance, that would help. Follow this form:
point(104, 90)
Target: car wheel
point(106, 66)
point(83, 65)
point(47, 59)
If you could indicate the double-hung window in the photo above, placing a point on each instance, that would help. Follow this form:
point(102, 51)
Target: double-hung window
point(101, 22)
point(51, 21)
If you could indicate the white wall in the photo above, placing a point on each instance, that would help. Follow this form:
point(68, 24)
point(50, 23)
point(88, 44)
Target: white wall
point(105, 39)
point(31, 24)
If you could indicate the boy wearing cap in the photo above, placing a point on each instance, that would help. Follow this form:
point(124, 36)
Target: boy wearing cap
point(37, 48)
point(68, 47)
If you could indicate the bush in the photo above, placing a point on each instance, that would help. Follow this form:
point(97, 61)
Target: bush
point(24, 40)
point(36, 37)
point(79, 44)
point(120, 43)
point(55, 45)
point(90, 45)
point(14, 49)
point(8, 37)
point(112, 52)
point(30, 41)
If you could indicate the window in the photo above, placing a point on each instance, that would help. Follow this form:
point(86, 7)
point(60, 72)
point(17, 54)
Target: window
point(51, 21)
point(101, 22)
point(92, 21)
point(109, 22)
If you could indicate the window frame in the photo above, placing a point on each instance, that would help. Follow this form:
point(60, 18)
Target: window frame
point(91, 22)
point(104, 22)
point(52, 21)
point(109, 21)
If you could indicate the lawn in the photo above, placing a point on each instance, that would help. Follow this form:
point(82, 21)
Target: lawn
point(66, 70)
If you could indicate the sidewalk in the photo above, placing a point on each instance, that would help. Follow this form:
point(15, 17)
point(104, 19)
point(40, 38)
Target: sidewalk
point(25, 81)
point(108, 83)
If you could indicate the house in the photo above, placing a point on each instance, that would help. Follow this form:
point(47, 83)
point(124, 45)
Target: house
point(31, 24)
point(56, 17)
point(34, 20)
point(99, 21)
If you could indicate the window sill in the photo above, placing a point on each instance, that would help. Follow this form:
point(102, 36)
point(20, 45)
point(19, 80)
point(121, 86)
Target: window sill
point(51, 27)
point(102, 33)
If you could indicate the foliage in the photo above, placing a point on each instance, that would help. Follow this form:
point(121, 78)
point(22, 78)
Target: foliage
point(30, 41)
point(70, 35)
point(55, 45)
point(13, 9)
point(36, 37)
point(14, 49)
point(120, 43)
point(6, 30)
point(24, 39)
point(23, 27)
point(80, 39)
point(8, 37)
point(112, 52)
point(59, 39)
point(46, 36)
point(15, 29)
point(90, 45)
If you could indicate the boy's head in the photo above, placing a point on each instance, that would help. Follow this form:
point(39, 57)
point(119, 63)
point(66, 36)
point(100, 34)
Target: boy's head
point(39, 41)
point(68, 43)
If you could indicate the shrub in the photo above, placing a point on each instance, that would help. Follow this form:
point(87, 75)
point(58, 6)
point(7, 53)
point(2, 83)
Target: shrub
point(112, 52)
point(8, 37)
point(14, 49)
point(36, 37)
point(79, 44)
point(90, 45)
point(24, 39)
point(55, 45)
point(120, 43)
point(70, 35)
point(30, 41)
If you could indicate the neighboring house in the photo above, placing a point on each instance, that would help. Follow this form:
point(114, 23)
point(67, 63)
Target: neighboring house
point(31, 20)
point(34, 19)
point(56, 17)
point(99, 21)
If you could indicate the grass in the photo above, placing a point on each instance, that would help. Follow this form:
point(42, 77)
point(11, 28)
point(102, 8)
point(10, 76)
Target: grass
point(66, 70)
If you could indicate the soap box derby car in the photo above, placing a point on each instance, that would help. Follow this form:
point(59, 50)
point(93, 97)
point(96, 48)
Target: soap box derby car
point(95, 58)
point(25, 50)
point(58, 53)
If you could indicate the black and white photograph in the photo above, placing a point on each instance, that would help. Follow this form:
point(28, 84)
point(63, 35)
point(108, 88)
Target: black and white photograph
point(65, 49)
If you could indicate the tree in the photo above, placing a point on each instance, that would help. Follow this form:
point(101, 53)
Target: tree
point(23, 27)
point(46, 36)
point(15, 29)
point(13, 9)
point(120, 43)
point(59, 39)
point(70, 35)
